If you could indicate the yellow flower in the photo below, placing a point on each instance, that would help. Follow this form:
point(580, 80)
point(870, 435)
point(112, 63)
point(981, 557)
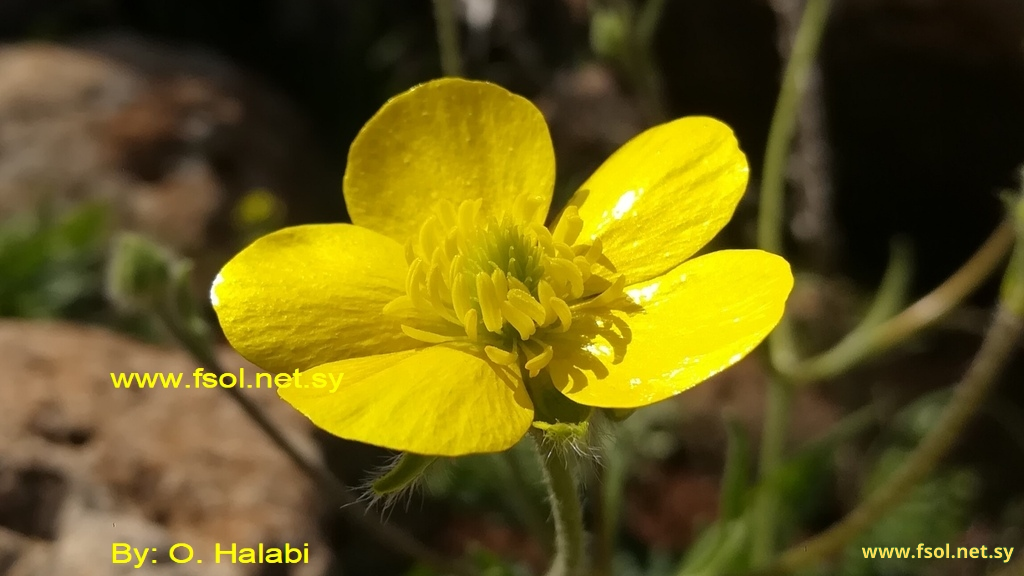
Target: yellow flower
point(449, 307)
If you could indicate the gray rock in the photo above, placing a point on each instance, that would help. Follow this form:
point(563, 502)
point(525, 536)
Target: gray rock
point(167, 136)
point(84, 465)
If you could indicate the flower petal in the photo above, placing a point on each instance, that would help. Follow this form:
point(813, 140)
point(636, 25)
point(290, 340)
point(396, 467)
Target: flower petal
point(308, 295)
point(447, 139)
point(438, 401)
point(664, 195)
point(696, 321)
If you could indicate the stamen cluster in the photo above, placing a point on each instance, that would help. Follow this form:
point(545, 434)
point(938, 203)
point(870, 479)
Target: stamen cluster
point(506, 283)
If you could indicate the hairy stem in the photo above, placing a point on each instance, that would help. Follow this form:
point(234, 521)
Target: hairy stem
point(559, 476)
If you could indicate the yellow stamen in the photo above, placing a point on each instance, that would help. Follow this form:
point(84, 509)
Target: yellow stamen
point(563, 312)
point(503, 282)
point(500, 282)
point(460, 297)
point(519, 320)
point(522, 301)
point(499, 356)
point(469, 322)
point(610, 295)
point(537, 361)
point(490, 309)
point(424, 336)
point(569, 226)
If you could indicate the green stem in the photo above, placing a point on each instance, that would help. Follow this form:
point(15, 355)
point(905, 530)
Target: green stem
point(564, 495)
point(925, 312)
point(771, 213)
point(996, 350)
point(783, 126)
point(771, 219)
point(448, 38)
point(773, 444)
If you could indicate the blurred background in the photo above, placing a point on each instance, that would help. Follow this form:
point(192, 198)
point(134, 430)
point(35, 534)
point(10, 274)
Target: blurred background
point(203, 124)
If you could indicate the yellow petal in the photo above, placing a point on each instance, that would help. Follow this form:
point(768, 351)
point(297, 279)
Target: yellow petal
point(438, 401)
point(696, 320)
point(447, 139)
point(308, 295)
point(664, 195)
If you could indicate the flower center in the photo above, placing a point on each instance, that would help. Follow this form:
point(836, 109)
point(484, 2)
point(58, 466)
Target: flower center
point(503, 282)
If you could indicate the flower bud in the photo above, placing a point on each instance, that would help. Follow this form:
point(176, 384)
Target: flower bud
point(405, 473)
point(139, 273)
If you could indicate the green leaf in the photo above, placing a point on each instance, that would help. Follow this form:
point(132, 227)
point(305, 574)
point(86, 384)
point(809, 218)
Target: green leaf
point(52, 267)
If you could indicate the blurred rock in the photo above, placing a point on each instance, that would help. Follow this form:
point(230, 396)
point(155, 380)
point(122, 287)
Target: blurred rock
point(12, 545)
point(84, 465)
point(168, 136)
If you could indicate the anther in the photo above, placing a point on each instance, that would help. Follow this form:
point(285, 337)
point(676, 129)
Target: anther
point(522, 301)
point(424, 336)
point(490, 309)
point(499, 356)
point(469, 322)
point(519, 320)
point(538, 360)
point(460, 297)
point(569, 226)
